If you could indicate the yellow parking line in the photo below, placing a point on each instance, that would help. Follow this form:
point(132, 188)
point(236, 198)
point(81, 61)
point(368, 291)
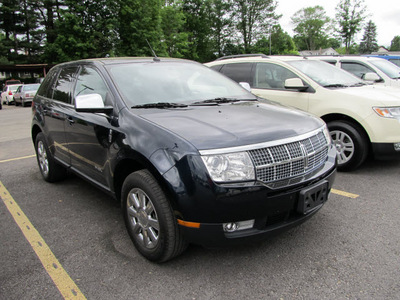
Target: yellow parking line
point(64, 283)
point(345, 194)
point(17, 158)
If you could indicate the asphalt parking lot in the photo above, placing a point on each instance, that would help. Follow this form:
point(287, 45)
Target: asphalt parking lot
point(349, 250)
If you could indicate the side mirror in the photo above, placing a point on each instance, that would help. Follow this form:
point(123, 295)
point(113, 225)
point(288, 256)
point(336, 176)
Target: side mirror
point(92, 103)
point(295, 84)
point(246, 86)
point(370, 76)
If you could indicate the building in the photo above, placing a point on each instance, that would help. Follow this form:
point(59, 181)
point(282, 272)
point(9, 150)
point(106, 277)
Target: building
point(27, 72)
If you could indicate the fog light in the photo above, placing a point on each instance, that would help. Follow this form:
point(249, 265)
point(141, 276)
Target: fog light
point(230, 227)
point(397, 146)
point(235, 226)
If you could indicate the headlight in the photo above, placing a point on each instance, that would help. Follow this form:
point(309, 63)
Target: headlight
point(327, 135)
point(229, 167)
point(388, 112)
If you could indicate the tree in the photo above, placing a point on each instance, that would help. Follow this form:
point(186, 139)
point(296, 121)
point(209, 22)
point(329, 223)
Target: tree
point(221, 24)
point(33, 35)
point(197, 14)
point(253, 19)
point(87, 27)
point(368, 43)
point(139, 22)
point(350, 16)
point(175, 39)
point(11, 23)
point(280, 43)
point(311, 25)
point(395, 44)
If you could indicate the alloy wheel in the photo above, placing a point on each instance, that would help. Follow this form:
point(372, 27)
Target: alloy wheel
point(143, 218)
point(43, 160)
point(344, 146)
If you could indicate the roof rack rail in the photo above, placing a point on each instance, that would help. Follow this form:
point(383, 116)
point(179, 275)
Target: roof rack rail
point(242, 55)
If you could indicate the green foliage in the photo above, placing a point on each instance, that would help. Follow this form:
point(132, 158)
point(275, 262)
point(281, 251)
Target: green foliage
point(395, 44)
point(53, 31)
point(172, 24)
point(87, 28)
point(350, 15)
point(11, 23)
point(197, 14)
point(280, 43)
point(368, 43)
point(253, 19)
point(221, 24)
point(139, 23)
point(311, 26)
point(353, 49)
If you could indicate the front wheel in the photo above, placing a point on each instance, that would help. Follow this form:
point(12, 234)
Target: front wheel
point(149, 218)
point(51, 171)
point(351, 144)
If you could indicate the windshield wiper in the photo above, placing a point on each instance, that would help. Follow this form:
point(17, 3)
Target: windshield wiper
point(336, 85)
point(219, 100)
point(160, 105)
point(358, 84)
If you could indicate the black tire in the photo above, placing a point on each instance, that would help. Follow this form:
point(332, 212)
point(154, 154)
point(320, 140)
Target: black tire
point(16, 103)
point(149, 218)
point(50, 170)
point(351, 144)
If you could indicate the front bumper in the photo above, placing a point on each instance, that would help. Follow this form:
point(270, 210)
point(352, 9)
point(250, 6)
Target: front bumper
point(272, 212)
point(385, 151)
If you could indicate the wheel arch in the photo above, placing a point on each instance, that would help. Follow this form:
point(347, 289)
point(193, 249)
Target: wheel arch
point(344, 118)
point(133, 163)
point(34, 132)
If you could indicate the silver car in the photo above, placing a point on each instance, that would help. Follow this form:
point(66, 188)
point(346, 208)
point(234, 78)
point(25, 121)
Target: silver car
point(25, 93)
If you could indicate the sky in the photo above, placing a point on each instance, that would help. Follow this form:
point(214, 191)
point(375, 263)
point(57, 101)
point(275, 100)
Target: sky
point(384, 13)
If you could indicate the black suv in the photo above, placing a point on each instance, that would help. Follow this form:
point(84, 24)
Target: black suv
point(192, 156)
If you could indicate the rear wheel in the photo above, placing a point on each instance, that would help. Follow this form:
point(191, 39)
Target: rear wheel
point(51, 171)
point(351, 144)
point(149, 218)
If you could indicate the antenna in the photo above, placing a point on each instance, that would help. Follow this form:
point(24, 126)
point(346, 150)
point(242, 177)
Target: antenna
point(155, 55)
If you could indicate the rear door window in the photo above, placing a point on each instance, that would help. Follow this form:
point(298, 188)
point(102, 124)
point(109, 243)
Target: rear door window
point(240, 72)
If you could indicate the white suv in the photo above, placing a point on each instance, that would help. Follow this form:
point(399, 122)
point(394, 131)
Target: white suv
point(377, 70)
point(361, 118)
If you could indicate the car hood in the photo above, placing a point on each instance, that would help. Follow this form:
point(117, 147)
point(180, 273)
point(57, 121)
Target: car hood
point(231, 125)
point(378, 95)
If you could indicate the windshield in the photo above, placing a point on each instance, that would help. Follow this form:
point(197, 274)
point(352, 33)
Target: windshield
point(176, 82)
point(387, 67)
point(325, 74)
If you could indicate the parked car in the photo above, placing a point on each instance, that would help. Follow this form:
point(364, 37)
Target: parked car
point(25, 93)
point(361, 118)
point(13, 81)
point(192, 156)
point(7, 96)
point(376, 70)
point(392, 58)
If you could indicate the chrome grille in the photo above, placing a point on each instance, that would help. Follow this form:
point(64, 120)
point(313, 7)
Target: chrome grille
point(290, 160)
